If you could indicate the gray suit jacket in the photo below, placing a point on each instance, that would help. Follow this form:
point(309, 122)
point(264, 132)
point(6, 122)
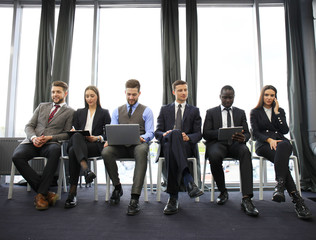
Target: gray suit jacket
point(38, 125)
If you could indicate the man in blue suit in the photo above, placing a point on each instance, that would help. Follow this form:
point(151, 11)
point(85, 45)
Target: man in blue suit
point(178, 131)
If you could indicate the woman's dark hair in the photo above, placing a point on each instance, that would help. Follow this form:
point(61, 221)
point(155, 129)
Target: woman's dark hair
point(260, 103)
point(94, 89)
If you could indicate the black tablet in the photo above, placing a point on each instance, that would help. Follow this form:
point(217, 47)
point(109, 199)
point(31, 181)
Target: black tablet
point(83, 132)
point(227, 133)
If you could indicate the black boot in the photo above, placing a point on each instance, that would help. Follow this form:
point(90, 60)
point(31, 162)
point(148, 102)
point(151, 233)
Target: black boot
point(300, 208)
point(278, 195)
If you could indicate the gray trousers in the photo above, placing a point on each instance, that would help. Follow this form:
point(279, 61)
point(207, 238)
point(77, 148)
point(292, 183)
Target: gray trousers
point(139, 152)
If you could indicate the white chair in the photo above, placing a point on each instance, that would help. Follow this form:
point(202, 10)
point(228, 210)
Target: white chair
point(263, 173)
point(61, 178)
point(263, 168)
point(108, 185)
point(64, 156)
point(213, 182)
point(160, 163)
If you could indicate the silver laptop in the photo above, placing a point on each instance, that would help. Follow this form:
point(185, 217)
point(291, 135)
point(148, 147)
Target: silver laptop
point(122, 134)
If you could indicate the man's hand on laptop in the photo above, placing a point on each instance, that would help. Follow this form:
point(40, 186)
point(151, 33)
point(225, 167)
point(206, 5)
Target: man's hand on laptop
point(142, 139)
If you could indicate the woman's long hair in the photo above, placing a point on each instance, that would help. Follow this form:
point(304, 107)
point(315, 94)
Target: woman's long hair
point(94, 89)
point(261, 102)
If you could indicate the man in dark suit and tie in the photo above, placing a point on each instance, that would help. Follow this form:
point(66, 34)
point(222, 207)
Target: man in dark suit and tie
point(178, 131)
point(221, 117)
point(44, 130)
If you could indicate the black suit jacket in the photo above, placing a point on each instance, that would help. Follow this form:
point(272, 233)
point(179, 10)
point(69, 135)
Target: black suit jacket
point(213, 121)
point(263, 129)
point(191, 123)
point(101, 118)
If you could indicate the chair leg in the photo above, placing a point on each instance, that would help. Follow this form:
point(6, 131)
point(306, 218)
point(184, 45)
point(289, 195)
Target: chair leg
point(145, 189)
point(193, 160)
point(108, 185)
point(160, 162)
point(297, 174)
point(204, 172)
point(10, 193)
point(95, 180)
point(150, 173)
point(261, 178)
point(60, 177)
point(213, 190)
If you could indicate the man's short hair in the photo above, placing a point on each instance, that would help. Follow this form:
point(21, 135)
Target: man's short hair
point(227, 87)
point(60, 84)
point(133, 83)
point(178, 82)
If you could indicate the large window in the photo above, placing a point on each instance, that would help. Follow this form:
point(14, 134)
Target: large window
point(26, 68)
point(274, 51)
point(130, 47)
point(81, 57)
point(5, 42)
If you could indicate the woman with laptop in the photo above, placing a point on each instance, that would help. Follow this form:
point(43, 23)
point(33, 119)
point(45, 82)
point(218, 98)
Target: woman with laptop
point(269, 126)
point(92, 118)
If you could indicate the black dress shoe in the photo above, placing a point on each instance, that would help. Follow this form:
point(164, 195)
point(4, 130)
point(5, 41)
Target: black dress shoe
point(71, 201)
point(172, 206)
point(116, 195)
point(89, 176)
point(133, 207)
point(278, 195)
point(301, 209)
point(222, 198)
point(193, 190)
point(248, 207)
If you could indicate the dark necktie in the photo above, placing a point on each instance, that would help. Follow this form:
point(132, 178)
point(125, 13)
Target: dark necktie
point(51, 115)
point(179, 118)
point(229, 119)
point(130, 111)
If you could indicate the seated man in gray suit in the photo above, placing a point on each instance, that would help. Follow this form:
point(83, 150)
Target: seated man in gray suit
point(44, 130)
point(224, 116)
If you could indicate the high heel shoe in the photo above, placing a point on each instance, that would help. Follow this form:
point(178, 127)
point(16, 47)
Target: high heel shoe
point(278, 195)
point(89, 176)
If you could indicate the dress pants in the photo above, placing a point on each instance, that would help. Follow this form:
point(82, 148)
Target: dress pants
point(176, 152)
point(79, 149)
point(217, 151)
point(139, 152)
point(25, 152)
point(280, 158)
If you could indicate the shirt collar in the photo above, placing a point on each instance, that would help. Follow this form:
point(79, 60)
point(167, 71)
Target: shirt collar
point(222, 107)
point(133, 106)
point(182, 104)
point(60, 104)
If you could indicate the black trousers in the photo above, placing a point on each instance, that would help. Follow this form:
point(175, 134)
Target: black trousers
point(25, 152)
point(79, 149)
point(217, 151)
point(280, 158)
point(176, 152)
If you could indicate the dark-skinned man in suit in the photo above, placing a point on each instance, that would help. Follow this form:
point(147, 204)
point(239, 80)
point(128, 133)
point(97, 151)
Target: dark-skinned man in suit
point(227, 116)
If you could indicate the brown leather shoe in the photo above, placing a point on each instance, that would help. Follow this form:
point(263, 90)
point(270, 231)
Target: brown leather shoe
point(40, 202)
point(52, 198)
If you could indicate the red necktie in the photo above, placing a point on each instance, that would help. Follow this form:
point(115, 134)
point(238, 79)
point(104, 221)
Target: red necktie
point(51, 115)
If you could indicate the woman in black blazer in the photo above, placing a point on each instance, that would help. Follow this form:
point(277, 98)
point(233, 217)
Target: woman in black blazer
point(269, 125)
point(92, 118)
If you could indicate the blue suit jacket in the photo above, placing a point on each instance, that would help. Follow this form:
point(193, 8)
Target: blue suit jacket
point(191, 123)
